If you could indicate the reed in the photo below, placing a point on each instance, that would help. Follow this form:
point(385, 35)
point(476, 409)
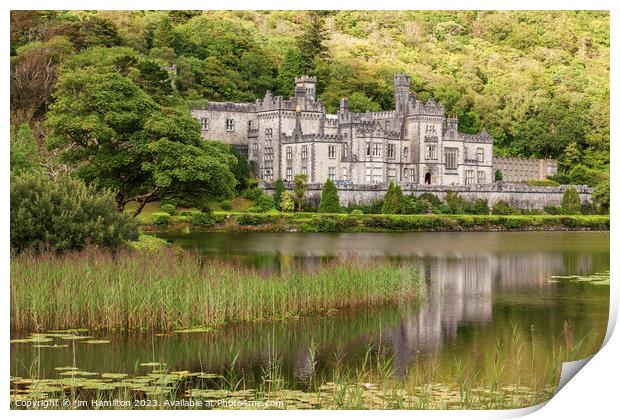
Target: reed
point(167, 289)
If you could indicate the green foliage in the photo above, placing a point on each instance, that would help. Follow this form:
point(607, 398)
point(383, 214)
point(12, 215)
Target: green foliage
point(311, 41)
point(502, 208)
point(168, 208)
point(64, 214)
point(582, 175)
point(551, 209)
point(479, 206)
point(357, 212)
point(241, 170)
point(498, 175)
point(278, 191)
point(161, 219)
point(542, 183)
point(571, 202)
point(24, 154)
point(330, 203)
point(393, 202)
point(264, 203)
point(144, 152)
point(287, 202)
point(201, 219)
point(226, 205)
point(601, 196)
point(300, 184)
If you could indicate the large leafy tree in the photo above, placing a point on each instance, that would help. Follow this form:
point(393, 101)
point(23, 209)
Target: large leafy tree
point(117, 137)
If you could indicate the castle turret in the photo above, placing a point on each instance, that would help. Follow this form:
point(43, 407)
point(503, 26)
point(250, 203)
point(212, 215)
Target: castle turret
point(305, 87)
point(402, 82)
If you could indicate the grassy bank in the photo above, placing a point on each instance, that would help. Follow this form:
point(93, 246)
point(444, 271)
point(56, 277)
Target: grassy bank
point(164, 290)
point(313, 222)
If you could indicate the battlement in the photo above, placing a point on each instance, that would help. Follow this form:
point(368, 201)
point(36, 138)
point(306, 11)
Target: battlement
point(230, 107)
point(306, 138)
point(483, 137)
point(306, 79)
point(402, 79)
point(429, 108)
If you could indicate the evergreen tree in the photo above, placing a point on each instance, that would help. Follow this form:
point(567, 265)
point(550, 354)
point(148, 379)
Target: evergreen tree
point(330, 203)
point(571, 203)
point(393, 203)
point(279, 190)
point(310, 42)
point(162, 35)
point(299, 186)
point(292, 66)
point(498, 176)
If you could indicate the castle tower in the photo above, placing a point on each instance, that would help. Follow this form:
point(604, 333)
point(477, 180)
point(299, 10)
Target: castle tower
point(305, 87)
point(402, 82)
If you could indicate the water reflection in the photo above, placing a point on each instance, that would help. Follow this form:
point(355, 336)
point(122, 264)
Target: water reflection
point(478, 287)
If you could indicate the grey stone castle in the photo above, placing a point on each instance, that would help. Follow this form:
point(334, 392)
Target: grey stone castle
point(414, 144)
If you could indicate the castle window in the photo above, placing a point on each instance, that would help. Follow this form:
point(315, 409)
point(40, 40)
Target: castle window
point(405, 152)
point(345, 174)
point(230, 124)
point(331, 152)
point(304, 152)
point(367, 149)
point(451, 158)
point(431, 151)
point(268, 133)
point(268, 153)
point(391, 174)
point(480, 154)
point(469, 177)
point(289, 153)
point(376, 151)
point(204, 122)
point(249, 125)
point(331, 173)
point(304, 170)
point(377, 175)
point(481, 177)
point(345, 150)
point(368, 175)
point(390, 151)
point(289, 174)
point(387, 125)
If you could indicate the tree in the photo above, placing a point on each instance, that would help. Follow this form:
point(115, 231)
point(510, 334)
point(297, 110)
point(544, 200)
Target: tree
point(299, 186)
point(24, 153)
point(279, 190)
point(154, 80)
point(502, 207)
point(162, 35)
point(330, 203)
point(498, 175)
point(292, 66)
point(241, 170)
point(601, 196)
point(311, 41)
point(393, 203)
point(287, 203)
point(64, 214)
point(571, 202)
point(117, 137)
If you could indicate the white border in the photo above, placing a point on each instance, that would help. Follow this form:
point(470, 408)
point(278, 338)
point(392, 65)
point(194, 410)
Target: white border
point(592, 395)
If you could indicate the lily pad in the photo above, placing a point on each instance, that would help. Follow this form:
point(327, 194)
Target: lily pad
point(195, 330)
point(114, 375)
point(96, 341)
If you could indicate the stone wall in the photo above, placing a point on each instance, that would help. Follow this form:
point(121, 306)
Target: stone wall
point(518, 195)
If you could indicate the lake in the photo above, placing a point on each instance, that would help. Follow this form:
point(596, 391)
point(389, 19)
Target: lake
point(488, 295)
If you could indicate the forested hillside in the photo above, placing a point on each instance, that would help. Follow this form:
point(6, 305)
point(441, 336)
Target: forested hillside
point(537, 81)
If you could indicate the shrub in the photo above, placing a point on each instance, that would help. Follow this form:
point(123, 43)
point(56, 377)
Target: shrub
point(456, 203)
point(201, 219)
point(64, 215)
point(252, 193)
point(551, 209)
point(393, 201)
point(161, 219)
point(479, 206)
point(287, 202)
point(279, 190)
point(188, 212)
point(571, 203)
point(264, 203)
point(357, 212)
point(498, 175)
point(330, 203)
point(601, 196)
point(226, 205)
point(168, 208)
point(253, 219)
point(542, 183)
point(502, 208)
point(431, 198)
point(325, 224)
point(416, 206)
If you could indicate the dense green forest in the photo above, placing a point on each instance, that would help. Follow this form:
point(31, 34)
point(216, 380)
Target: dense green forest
point(538, 81)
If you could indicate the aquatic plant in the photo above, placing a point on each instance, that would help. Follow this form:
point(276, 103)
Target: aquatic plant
point(166, 290)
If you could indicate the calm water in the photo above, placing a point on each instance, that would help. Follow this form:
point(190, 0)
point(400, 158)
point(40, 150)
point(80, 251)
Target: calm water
point(482, 289)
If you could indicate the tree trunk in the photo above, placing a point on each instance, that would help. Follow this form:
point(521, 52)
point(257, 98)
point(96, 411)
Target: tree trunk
point(140, 207)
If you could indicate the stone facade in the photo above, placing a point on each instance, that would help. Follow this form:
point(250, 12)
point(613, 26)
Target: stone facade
point(414, 144)
point(519, 196)
point(518, 170)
